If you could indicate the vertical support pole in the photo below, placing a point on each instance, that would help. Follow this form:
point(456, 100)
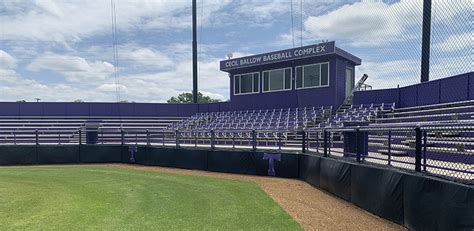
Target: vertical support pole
point(418, 149)
point(195, 61)
point(14, 137)
point(148, 137)
point(325, 143)
point(330, 139)
point(37, 137)
point(177, 138)
point(424, 150)
point(80, 136)
point(357, 148)
point(233, 139)
point(163, 137)
point(254, 140)
point(317, 142)
point(122, 137)
point(303, 142)
point(389, 147)
point(212, 139)
point(279, 141)
point(37, 144)
point(425, 43)
point(195, 139)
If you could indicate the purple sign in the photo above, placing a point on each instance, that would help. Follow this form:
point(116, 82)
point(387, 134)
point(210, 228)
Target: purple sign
point(279, 56)
point(271, 162)
point(132, 150)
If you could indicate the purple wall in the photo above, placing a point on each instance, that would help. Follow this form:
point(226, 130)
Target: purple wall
point(451, 89)
point(455, 88)
point(107, 109)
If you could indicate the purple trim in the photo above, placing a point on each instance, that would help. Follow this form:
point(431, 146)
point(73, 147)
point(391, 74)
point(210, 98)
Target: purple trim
point(284, 55)
point(356, 60)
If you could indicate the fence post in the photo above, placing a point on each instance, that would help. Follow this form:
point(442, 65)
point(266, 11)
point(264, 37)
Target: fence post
point(424, 150)
point(325, 143)
point(14, 138)
point(122, 137)
point(148, 137)
point(163, 137)
point(195, 139)
point(254, 140)
point(303, 142)
point(279, 141)
point(212, 139)
point(177, 138)
point(233, 139)
point(389, 147)
point(357, 148)
point(37, 137)
point(418, 147)
point(80, 136)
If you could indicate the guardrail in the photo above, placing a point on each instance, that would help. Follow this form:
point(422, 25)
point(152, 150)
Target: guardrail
point(445, 150)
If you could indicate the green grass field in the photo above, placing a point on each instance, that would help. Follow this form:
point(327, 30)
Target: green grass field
point(111, 198)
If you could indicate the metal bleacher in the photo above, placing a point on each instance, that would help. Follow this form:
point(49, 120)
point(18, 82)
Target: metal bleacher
point(288, 119)
point(456, 115)
point(63, 130)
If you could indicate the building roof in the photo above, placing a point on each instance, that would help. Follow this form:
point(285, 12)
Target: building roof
point(320, 49)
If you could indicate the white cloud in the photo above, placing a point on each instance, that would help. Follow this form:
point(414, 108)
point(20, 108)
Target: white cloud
point(375, 22)
point(112, 88)
point(214, 95)
point(365, 22)
point(263, 11)
point(66, 21)
point(389, 74)
point(6, 60)
point(147, 56)
point(456, 42)
point(8, 65)
point(73, 68)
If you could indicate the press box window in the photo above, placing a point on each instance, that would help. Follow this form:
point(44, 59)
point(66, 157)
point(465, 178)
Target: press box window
point(314, 75)
point(277, 80)
point(246, 83)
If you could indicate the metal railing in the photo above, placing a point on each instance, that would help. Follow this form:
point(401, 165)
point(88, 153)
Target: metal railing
point(441, 150)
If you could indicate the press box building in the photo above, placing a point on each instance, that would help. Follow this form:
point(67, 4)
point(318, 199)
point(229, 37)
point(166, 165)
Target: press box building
point(315, 75)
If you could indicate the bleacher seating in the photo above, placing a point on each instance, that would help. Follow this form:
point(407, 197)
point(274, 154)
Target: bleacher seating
point(356, 113)
point(459, 144)
point(17, 130)
point(271, 119)
point(457, 112)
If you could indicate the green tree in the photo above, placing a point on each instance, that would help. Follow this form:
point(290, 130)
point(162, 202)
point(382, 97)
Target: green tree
point(187, 97)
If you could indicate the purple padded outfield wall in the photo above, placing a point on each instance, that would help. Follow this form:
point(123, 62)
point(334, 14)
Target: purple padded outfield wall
point(451, 89)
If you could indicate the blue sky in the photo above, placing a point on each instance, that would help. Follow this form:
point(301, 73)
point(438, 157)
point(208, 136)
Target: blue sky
point(62, 50)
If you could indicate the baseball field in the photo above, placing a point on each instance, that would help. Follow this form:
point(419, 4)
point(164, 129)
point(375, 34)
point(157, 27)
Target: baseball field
point(133, 197)
point(109, 198)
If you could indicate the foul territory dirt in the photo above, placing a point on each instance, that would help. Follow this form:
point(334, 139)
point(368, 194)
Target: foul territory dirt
point(312, 208)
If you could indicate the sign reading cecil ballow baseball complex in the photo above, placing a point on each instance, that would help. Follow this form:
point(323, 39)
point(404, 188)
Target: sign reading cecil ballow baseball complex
point(279, 56)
